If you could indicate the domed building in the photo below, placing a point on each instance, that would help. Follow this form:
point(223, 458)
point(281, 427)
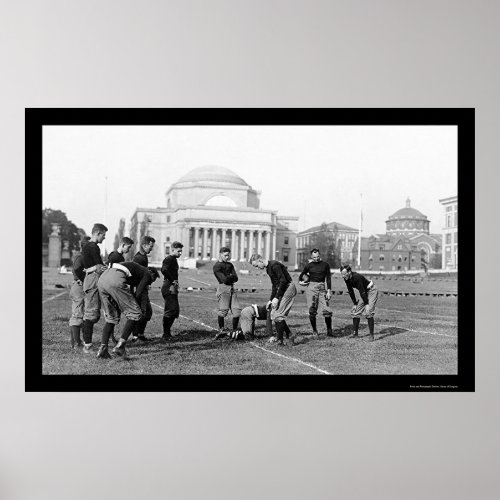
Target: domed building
point(407, 221)
point(211, 207)
point(406, 245)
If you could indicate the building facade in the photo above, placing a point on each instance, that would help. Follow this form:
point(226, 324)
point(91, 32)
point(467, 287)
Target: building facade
point(450, 233)
point(407, 244)
point(345, 238)
point(211, 207)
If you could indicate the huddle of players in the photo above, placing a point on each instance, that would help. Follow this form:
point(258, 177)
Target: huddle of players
point(316, 275)
point(122, 288)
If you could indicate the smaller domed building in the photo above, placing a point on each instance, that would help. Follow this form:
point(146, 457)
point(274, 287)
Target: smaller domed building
point(407, 244)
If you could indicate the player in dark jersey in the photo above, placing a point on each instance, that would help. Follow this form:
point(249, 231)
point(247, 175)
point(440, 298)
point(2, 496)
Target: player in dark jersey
point(282, 294)
point(94, 267)
point(141, 257)
point(316, 295)
point(226, 294)
point(77, 298)
point(170, 289)
point(115, 286)
point(118, 255)
point(369, 296)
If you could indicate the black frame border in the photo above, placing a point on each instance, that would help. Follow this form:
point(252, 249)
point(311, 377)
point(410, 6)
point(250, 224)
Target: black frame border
point(463, 118)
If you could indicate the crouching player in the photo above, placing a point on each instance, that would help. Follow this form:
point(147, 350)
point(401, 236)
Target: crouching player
point(369, 296)
point(247, 320)
point(282, 294)
point(117, 298)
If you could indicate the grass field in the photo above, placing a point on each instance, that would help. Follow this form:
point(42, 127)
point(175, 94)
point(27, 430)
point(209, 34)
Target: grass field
point(413, 335)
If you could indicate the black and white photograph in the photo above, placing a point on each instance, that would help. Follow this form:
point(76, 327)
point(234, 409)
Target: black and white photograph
point(293, 248)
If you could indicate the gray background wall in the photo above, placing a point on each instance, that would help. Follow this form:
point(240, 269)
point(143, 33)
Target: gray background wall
point(268, 53)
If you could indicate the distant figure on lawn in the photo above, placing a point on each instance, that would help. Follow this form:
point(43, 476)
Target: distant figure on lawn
point(282, 294)
point(369, 296)
point(226, 294)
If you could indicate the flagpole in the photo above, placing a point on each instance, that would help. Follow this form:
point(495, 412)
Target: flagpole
point(360, 229)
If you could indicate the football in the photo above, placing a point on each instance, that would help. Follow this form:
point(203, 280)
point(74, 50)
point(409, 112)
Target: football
point(304, 280)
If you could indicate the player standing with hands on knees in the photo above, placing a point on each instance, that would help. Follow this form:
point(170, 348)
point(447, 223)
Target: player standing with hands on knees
point(317, 295)
point(369, 296)
point(282, 294)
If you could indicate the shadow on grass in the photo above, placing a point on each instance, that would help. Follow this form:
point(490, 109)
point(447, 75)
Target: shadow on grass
point(389, 332)
point(193, 340)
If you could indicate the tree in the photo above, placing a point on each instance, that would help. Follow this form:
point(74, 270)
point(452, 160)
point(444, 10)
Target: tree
point(120, 234)
point(69, 231)
point(325, 240)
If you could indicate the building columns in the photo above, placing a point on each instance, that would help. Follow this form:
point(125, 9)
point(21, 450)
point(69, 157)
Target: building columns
point(196, 242)
point(273, 256)
point(204, 243)
point(268, 245)
point(250, 243)
point(223, 238)
point(233, 246)
point(213, 249)
point(259, 242)
point(242, 245)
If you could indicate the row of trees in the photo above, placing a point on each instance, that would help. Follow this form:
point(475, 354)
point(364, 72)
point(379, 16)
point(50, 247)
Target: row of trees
point(326, 241)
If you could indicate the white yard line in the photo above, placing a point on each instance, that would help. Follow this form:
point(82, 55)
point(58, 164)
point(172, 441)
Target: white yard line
point(419, 331)
point(204, 282)
point(54, 297)
point(257, 346)
point(413, 312)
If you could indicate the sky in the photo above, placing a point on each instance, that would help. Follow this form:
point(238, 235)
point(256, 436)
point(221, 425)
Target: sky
point(319, 173)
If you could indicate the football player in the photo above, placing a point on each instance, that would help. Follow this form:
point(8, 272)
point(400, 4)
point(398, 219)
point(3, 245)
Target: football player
point(117, 256)
point(369, 296)
point(317, 295)
point(226, 294)
point(94, 267)
point(141, 257)
point(115, 287)
point(170, 289)
point(282, 293)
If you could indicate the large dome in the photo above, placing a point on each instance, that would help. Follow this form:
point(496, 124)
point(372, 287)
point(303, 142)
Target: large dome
point(211, 173)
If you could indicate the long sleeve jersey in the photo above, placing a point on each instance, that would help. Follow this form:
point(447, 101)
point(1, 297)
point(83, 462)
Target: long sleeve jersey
point(140, 277)
point(170, 268)
point(225, 273)
point(360, 282)
point(78, 268)
point(141, 258)
point(280, 278)
point(318, 272)
point(91, 255)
